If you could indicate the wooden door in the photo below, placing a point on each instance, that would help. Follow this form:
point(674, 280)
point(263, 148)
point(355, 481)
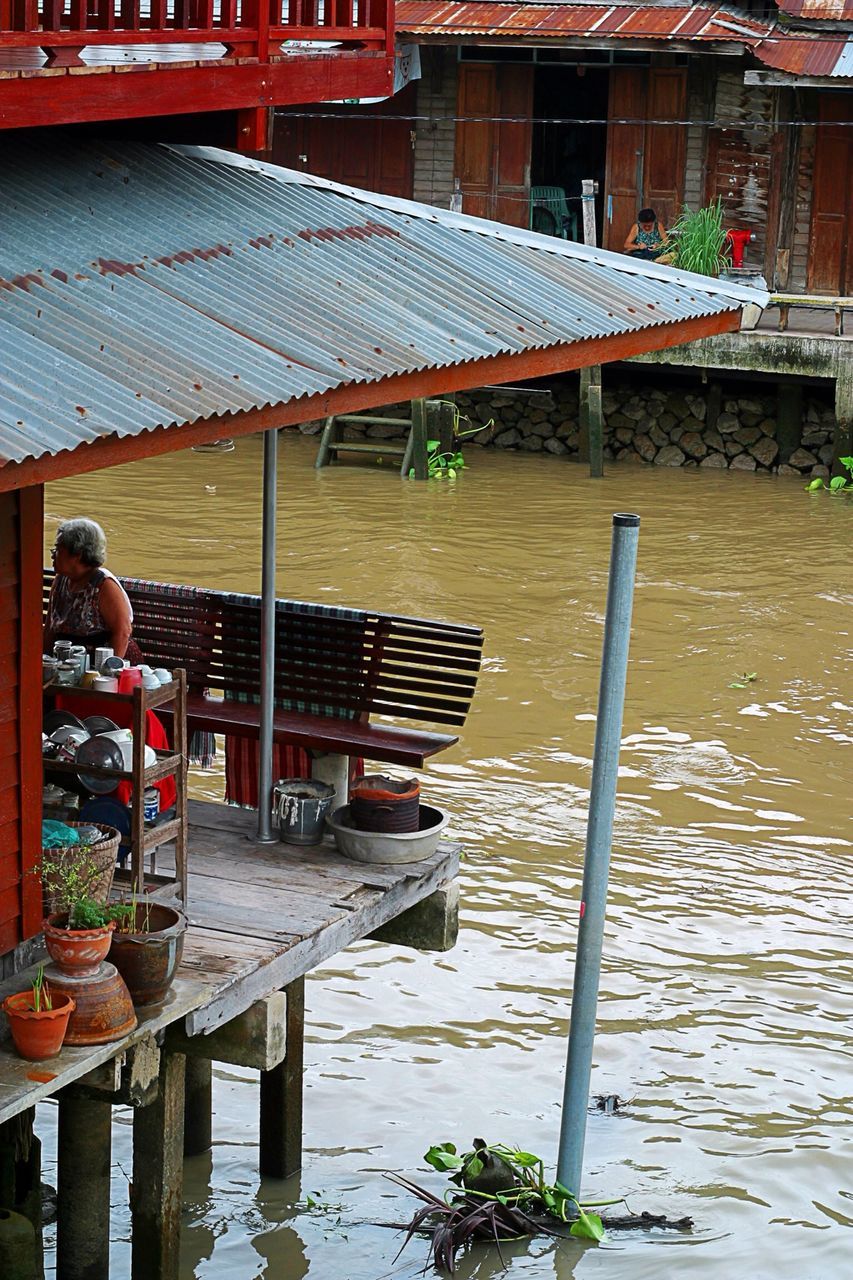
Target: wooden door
point(830, 268)
point(493, 152)
point(373, 154)
point(645, 154)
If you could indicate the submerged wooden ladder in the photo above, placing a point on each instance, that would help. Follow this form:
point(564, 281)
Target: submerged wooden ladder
point(427, 415)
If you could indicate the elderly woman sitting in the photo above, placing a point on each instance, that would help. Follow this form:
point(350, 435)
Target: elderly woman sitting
point(87, 603)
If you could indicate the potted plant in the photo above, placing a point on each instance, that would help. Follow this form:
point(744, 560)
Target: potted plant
point(38, 1020)
point(77, 931)
point(700, 241)
point(146, 947)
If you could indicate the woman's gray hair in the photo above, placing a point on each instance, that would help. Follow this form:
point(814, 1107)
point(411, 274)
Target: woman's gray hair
point(83, 538)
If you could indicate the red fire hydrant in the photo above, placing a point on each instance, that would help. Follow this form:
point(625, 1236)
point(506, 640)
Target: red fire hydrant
point(738, 240)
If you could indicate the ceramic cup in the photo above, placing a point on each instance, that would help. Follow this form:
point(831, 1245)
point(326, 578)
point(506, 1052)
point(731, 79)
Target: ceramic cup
point(106, 684)
point(164, 676)
point(150, 681)
point(101, 655)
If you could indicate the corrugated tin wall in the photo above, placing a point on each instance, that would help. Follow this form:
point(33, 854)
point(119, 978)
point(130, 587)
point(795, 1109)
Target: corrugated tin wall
point(739, 154)
point(10, 793)
point(435, 140)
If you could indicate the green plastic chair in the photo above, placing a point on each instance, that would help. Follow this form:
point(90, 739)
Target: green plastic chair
point(550, 213)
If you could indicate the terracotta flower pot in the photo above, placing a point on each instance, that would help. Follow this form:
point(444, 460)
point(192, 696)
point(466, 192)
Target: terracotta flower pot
point(37, 1035)
point(78, 951)
point(147, 958)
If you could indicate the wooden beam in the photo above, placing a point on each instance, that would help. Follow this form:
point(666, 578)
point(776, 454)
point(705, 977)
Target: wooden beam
point(77, 94)
point(539, 363)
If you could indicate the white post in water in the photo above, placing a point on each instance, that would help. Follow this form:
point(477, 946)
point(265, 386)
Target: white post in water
point(265, 835)
point(602, 803)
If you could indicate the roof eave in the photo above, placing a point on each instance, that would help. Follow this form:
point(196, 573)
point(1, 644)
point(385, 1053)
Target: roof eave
point(110, 451)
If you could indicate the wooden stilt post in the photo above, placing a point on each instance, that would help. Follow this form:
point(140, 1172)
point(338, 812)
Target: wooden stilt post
point(419, 440)
point(156, 1194)
point(281, 1096)
point(843, 440)
point(789, 418)
point(198, 1106)
point(83, 1184)
point(591, 441)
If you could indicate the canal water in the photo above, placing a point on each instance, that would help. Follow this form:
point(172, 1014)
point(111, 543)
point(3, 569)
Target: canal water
point(727, 989)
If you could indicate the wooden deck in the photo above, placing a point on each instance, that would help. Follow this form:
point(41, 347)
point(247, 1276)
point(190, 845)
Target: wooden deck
point(261, 916)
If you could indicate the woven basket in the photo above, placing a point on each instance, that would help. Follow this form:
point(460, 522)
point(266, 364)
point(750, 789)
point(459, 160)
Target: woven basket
point(103, 857)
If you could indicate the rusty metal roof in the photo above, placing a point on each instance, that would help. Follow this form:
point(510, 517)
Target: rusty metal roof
point(493, 18)
point(804, 54)
point(145, 286)
point(819, 10)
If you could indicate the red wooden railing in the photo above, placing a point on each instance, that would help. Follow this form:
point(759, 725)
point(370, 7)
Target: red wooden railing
point(250, 28)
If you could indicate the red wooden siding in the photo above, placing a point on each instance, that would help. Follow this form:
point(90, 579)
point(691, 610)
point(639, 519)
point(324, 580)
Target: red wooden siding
point(20, 713)
point(645, 161)
point(830, 264)
point(10, 786)
point(493, 153)
point(374, 154)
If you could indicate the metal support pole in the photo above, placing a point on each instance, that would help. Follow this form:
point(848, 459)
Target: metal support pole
point(265, 835)
point(602, 802)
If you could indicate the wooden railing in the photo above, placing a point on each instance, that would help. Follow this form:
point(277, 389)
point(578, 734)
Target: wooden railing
point(248, 28)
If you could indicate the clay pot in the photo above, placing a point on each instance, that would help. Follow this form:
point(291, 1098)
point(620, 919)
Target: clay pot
point(38, 1035)
point(78, 951)
point(147, 958)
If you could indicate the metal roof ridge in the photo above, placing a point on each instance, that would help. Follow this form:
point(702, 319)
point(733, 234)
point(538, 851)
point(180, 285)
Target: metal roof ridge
point(480, 226)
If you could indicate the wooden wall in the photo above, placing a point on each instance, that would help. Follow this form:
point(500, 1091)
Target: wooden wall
point(739, 147)
point(21, 525)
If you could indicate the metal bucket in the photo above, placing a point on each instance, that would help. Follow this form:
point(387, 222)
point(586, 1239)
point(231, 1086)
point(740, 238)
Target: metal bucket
point(300, 806)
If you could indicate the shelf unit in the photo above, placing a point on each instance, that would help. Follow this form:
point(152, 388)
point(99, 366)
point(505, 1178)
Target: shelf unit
point(145, 840)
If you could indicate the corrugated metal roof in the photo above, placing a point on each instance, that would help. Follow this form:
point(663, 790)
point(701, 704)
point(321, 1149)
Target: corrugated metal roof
point(145, 286)
point(804, 54)
point(825, 10)
point(490, 18)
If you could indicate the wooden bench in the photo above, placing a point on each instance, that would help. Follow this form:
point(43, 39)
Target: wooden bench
point(335, 667)
point(784, 301)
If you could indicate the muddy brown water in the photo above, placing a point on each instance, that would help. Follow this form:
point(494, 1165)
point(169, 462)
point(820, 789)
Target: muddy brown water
point(727, 989)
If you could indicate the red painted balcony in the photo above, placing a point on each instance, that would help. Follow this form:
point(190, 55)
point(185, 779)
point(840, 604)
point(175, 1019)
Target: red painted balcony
point(65, 61)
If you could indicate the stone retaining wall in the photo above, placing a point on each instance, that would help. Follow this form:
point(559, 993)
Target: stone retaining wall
point(643, 423)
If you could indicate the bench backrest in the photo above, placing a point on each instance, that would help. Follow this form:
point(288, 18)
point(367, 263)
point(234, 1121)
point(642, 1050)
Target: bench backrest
point(329, 660)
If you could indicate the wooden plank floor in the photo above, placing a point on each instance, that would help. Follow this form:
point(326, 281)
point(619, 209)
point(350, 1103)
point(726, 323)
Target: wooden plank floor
point(260, 916)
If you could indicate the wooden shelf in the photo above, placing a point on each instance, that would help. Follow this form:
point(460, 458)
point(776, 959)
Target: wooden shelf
point(145, 839)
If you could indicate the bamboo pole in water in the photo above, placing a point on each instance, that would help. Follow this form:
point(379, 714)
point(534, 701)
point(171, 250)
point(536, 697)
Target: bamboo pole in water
point(602, 803)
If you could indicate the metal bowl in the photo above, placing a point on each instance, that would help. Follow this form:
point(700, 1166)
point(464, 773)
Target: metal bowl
point(375, 846)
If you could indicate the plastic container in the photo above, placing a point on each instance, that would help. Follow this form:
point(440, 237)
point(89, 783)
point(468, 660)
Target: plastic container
point(380, 803)
point(129, 679)
point(300, 806)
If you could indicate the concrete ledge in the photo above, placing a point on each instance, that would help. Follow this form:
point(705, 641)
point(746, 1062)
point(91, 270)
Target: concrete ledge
point(255, 1038)
point(430, 925)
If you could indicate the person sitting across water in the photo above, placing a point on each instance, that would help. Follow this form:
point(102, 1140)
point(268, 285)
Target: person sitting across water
point(87, 603)
point(647, 239)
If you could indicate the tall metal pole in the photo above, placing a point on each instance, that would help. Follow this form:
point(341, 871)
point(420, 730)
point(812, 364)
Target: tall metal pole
point(602, 802)
point(265, 835)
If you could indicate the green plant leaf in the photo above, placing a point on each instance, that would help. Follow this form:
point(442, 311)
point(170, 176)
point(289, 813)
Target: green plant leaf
point(443, 1157)
point(588, 1226)
point(737, 684)
point(847, 462)
point(474, 1167)
point(812, 485)
point(838, 482)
